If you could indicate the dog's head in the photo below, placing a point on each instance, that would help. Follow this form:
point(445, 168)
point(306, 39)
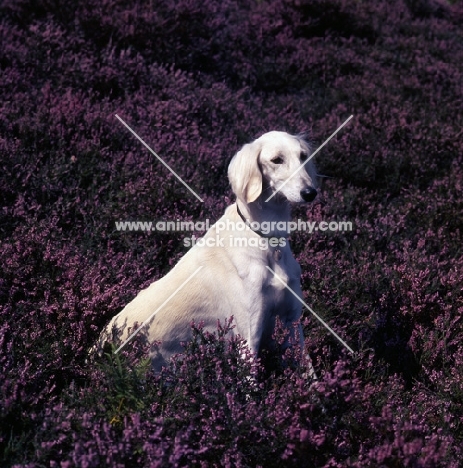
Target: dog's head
point(272, 165)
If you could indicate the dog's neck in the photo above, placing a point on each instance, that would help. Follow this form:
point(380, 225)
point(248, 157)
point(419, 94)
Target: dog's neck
point(260, 211)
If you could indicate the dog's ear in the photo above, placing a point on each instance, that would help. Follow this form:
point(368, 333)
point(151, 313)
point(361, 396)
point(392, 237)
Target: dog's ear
point(244, 173)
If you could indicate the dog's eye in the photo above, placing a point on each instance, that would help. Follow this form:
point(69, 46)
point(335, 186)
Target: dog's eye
point(277, 160)
point(304, 156)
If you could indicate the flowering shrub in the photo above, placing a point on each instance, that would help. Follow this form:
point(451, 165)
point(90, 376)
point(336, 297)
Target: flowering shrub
point(197, 80)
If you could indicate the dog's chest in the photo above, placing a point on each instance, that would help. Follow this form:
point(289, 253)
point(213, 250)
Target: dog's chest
point(268, 270)
point(283, 270)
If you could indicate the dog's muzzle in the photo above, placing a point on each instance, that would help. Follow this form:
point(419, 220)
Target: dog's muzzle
point(308, 194)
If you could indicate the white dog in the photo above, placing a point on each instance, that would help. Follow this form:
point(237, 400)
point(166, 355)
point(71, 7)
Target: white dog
point(234, 279)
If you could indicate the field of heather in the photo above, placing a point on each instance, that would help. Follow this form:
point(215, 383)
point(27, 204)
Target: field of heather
point(197, 80)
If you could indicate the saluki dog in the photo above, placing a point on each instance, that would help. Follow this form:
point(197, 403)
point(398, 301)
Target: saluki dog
point(267, 178)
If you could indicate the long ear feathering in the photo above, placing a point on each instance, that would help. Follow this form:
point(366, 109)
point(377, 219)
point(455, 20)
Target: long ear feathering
point(244, 173)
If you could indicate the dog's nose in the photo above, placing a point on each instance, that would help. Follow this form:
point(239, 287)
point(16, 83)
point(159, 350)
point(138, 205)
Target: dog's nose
point(308, 194)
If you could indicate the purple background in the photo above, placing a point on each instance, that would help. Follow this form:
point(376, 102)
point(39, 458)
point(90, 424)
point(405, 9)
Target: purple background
point(197, 80)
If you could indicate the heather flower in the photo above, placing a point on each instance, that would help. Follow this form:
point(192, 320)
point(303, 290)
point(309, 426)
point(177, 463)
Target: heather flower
point(196, 80)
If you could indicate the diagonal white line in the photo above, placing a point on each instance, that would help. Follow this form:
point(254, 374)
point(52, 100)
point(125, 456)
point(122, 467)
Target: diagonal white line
point(313, 313)
point(157, 310)
point(160, 159)
point(307, 160)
